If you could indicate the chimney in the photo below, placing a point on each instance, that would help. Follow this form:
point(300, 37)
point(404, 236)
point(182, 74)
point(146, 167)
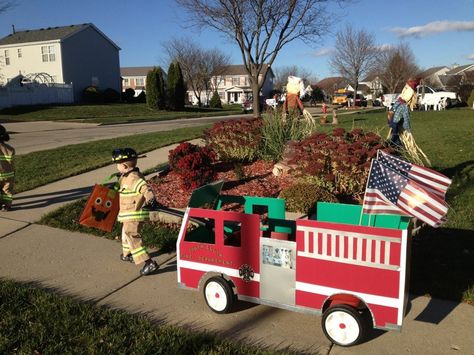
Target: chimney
point(13, 29)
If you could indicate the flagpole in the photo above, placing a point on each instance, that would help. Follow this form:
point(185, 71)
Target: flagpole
point(365, 192)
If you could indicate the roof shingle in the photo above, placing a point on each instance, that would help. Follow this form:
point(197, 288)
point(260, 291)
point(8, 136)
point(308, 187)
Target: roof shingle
point(43, 34)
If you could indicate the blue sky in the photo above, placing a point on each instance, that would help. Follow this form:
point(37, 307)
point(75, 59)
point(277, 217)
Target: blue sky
point(438, 32)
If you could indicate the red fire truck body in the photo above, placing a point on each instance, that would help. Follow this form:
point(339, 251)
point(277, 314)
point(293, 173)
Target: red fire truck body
point(350, 274)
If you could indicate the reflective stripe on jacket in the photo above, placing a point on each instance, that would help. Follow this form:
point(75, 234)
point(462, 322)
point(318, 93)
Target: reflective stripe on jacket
point(6, 161)
point(134, 193)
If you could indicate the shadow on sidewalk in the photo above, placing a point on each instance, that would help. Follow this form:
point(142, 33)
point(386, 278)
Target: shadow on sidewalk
point(50, 198)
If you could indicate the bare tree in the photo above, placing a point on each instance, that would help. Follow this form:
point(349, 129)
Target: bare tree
point(261, 28)
point(198, 65)
point(354, 56)
point(395, 66)
point(282, 74)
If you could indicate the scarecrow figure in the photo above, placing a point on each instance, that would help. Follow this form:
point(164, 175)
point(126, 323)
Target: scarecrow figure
point(399, 121)
point(295, 90)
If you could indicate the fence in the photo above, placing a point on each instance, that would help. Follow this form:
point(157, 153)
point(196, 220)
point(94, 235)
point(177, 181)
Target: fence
point(36, 94)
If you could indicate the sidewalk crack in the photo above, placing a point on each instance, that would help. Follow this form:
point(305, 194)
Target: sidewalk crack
point(16, 230)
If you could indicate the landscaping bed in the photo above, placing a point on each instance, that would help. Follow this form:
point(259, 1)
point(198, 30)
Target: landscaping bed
point(251, 179)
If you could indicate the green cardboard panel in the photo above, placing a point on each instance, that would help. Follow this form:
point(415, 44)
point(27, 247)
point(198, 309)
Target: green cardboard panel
point(206, 196)
point(351, 214)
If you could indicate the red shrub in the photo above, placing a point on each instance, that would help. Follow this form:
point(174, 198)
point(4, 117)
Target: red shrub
point(339, 162)
point(194, 164)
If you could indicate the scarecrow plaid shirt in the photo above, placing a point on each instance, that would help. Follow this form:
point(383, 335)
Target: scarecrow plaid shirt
point(402, 114)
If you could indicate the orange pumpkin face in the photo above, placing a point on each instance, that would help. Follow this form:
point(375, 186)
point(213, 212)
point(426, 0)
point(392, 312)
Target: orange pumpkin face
point(101, 209)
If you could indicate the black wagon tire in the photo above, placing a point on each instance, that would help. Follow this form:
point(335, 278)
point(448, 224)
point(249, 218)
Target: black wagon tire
point(343, 325)
point(218, 295)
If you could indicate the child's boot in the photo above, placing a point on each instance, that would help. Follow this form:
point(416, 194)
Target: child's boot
point(149, 268)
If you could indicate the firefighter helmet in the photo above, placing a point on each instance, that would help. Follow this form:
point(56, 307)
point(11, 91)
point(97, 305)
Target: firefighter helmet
point(123, 154)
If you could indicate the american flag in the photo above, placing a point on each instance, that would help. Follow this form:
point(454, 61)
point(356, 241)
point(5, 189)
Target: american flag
point(430, 180)
point(388, 192)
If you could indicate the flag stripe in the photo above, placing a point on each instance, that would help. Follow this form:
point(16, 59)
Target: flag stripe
point(429, 179)
point(431, 173)
point(391, 191)
point(432, 200)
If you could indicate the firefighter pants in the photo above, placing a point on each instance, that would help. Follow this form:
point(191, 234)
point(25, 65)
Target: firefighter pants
point(132, 242)
point(6, 192)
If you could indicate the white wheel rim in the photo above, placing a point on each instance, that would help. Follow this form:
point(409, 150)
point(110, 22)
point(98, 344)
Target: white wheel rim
point(215, 296)
point(342, 327)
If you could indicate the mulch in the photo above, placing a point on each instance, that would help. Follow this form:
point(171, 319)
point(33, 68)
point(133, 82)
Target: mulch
point(252, 179)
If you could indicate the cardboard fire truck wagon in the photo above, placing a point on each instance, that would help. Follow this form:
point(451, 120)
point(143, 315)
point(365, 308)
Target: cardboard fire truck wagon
point(351, 269)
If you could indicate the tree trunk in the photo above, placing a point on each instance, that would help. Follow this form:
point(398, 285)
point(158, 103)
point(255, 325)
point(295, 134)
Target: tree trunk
point(255, 97)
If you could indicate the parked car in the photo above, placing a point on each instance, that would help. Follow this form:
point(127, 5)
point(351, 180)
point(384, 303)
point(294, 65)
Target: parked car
point(247, 106)
point(360, 100)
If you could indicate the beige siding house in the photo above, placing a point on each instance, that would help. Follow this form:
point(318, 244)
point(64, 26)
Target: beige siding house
point(77, 54)
point(134, 78)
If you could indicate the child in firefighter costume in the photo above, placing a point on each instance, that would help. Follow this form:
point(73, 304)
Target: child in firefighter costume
point(134, 195)
point(399, 122)
point(7, 173)
point(294, 90)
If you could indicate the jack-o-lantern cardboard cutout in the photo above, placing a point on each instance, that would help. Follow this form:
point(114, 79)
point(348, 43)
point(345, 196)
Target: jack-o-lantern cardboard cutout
point(101, 209)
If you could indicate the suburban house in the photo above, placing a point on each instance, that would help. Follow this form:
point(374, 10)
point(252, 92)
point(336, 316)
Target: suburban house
point(457, 76)
point(77, 54)
point(431, 76)
point(134, 78)
point(330, 85)
point(371, 86)
point(233, 84)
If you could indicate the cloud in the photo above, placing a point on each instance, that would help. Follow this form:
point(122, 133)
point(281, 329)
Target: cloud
point(434, 27)
point(385, 47)
point(323, 52)
point(471, 57)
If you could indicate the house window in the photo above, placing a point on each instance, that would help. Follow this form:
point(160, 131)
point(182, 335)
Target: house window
point(7, 57)
point(125, 82)
point(19, 52)
point(48, 54)
point(235, 81)
point(139, 82)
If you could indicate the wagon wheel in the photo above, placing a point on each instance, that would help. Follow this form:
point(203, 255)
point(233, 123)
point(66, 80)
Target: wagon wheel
point(343, 325)
point(218, 295)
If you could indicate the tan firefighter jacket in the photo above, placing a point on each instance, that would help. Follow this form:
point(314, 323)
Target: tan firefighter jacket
point(134, 193)
point(6, 161)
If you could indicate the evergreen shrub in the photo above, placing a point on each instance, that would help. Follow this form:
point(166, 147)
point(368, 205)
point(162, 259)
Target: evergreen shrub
point(92, 95)
point(111, 95)
point(215, 101)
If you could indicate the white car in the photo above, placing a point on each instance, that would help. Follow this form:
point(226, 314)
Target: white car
point(428, 95)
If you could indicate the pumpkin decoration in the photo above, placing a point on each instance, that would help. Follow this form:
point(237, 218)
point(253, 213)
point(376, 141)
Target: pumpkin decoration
point(101, 209)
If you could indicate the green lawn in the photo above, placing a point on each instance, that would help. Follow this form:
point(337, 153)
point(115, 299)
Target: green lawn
point(59, 163)
point(107, 114)
point(38, 321)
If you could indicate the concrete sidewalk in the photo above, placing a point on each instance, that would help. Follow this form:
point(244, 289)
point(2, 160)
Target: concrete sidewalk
point(88, 267)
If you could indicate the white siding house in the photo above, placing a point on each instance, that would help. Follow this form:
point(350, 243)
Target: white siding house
point(233, 84)
point(77, 54)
